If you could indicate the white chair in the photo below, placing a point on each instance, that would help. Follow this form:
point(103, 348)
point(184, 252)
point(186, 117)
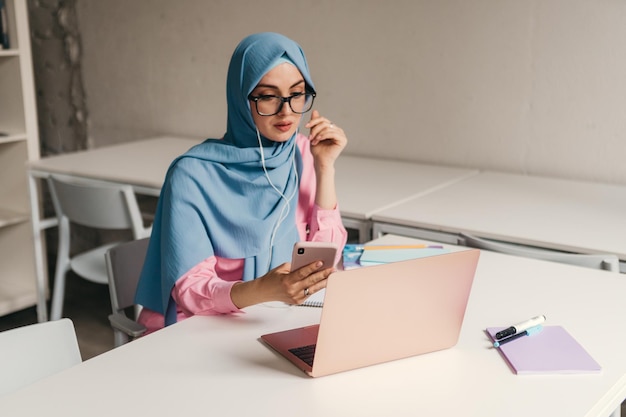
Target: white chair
point(94, 204)
point(607, 262)
point(33, 352)
point(124, 263)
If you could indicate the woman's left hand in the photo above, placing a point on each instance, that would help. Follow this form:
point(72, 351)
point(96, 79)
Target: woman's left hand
point(327, 139)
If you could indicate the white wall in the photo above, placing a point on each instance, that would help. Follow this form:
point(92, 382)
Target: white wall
point(536, 86)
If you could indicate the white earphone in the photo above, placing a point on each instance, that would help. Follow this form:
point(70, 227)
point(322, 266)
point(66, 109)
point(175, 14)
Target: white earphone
point(285, 209)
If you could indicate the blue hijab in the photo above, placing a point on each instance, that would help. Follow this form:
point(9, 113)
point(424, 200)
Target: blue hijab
point(216, 199)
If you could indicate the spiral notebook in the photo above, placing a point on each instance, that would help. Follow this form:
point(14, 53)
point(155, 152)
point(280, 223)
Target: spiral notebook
point(316, 299)
point(551, 351)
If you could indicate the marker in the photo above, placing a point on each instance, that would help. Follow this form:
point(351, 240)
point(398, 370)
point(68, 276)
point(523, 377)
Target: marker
point(520, 327)
point(528, 332)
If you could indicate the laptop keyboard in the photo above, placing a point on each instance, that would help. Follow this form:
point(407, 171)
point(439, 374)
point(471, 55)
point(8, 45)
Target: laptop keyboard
point(305, 353)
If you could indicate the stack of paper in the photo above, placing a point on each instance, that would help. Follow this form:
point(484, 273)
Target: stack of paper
point(356, 256)
point(367, 255)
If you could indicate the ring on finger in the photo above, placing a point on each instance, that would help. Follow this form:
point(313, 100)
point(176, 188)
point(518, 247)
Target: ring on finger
point(306, 292)
point(331, 125)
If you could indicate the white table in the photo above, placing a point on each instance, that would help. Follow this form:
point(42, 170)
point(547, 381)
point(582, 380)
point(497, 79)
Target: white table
point(572, 216)
point(217, 366)
point(142, 164)
point(366, 186)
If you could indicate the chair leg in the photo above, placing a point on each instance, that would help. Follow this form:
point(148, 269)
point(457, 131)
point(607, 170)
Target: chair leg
point(120, 338)
point(62, 267)
point(58, 295)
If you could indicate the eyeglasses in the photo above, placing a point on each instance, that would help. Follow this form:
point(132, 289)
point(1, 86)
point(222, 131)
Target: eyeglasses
point(270, 105)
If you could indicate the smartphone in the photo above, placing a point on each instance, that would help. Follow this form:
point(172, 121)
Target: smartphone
point(305, 253)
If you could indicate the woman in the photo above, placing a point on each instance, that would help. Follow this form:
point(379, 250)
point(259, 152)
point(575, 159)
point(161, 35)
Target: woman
point(231, 209)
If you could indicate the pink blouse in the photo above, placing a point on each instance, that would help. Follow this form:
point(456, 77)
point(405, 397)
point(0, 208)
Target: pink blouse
point(205, 288)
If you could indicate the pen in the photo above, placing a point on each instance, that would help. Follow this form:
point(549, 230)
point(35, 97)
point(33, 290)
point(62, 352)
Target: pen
point(520, 327)
point(528, 332)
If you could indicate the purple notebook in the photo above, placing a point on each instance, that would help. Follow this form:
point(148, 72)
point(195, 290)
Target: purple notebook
point(551, 351)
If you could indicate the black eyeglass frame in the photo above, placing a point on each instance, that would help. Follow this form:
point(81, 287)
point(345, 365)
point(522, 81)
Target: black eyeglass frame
point(283, 100)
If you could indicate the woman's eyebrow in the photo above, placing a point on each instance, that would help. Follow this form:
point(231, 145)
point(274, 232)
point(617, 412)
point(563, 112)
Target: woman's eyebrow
point(276, 87)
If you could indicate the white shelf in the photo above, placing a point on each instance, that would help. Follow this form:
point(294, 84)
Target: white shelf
point(9, 52)
point(12, 137)
point(18, 119)
point(16, 297)
point(9, 217)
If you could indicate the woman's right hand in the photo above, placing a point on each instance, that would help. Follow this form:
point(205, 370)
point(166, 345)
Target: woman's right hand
point(282, 284)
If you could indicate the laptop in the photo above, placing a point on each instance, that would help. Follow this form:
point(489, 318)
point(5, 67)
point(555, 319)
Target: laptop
point(381, 313)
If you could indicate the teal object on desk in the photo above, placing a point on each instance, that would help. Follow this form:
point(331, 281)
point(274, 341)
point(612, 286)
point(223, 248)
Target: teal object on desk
point(351, 256)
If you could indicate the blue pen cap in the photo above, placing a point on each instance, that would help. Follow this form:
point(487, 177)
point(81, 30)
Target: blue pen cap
point(534, 330)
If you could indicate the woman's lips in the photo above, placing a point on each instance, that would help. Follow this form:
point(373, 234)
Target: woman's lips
point(283, 127)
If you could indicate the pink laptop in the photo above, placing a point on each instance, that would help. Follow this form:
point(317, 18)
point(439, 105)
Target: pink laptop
point(382, 313)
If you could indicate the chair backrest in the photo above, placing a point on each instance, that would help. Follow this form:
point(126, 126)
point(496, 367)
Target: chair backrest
point(97, 204)
point(32, 352)
point(124, 263)
point(607, 262)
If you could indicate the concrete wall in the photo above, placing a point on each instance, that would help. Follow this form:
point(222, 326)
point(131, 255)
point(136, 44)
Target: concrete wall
point(56, 49)
point(528, 86)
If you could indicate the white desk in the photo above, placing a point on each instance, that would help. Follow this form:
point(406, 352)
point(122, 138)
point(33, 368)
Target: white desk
point(557, 214)
point(366, 186)
point(142, 164)
point(217, 366)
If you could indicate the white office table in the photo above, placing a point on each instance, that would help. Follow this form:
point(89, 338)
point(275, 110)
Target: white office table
point(217, 366)
point(142, 164)
point(366, 186)
point(572, 216)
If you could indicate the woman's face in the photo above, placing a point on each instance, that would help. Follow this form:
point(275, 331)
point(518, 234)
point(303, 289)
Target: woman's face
point(283, 80)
